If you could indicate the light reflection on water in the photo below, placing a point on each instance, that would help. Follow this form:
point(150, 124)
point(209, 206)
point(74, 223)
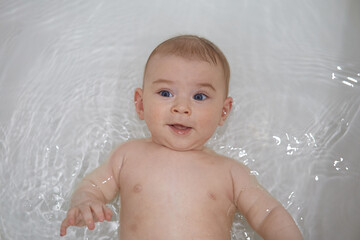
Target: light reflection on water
point(67, 75)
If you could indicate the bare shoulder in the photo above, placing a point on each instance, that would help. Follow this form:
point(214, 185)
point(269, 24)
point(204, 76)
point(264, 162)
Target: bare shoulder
point(121, 152)
point(234, 166)
point(129, 146)
point(241, 175)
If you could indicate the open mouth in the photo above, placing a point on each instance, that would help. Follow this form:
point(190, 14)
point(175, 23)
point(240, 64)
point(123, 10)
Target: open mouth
point(180, 129)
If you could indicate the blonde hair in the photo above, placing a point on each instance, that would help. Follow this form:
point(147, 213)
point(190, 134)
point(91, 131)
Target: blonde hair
point(193, 47)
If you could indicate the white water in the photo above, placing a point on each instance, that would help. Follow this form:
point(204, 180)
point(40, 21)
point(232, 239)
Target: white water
point(67, 74)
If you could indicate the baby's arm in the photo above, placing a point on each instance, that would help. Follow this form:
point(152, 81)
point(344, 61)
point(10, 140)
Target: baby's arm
point(265, 214)
point(94, 191)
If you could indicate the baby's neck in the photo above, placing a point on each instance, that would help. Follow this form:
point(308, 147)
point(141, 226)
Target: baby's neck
point(202, 148)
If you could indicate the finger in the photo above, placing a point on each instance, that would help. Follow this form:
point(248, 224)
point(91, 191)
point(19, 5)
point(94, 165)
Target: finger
point(64, 225)
point(72, 215)
point(98, 212)
point(108, 213)
point(87, 217)
point(69, 220)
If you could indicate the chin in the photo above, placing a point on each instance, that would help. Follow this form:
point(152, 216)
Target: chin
point(186, 146)
point(181, 144)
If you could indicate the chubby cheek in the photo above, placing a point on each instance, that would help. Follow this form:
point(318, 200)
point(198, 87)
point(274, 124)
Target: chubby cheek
point(152, 116)
point(209, 118)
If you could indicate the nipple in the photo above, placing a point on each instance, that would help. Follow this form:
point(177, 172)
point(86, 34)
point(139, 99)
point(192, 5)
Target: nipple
point(212, 196)
point(137, 188)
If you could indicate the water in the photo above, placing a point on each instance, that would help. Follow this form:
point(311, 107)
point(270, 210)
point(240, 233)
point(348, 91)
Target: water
point(67, 75)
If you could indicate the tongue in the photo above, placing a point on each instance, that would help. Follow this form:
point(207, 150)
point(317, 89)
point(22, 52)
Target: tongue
point(181, 127)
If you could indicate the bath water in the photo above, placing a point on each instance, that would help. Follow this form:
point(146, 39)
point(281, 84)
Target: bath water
point(68, 71)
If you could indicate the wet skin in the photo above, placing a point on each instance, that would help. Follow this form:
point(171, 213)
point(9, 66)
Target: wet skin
point(190, 195)
point(186, 196)
point(171, 186)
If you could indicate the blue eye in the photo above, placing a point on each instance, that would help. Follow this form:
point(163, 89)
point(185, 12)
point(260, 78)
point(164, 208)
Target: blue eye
point(165, 93)
point(200, 97)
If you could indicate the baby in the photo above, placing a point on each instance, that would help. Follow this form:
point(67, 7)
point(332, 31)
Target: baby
point(171, 186)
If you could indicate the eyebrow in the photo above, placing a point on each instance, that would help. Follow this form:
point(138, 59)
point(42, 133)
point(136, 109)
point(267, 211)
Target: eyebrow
point(206, 85)
point(162, 81)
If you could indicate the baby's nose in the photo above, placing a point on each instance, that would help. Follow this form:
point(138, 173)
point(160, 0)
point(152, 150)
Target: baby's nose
point(181, 108)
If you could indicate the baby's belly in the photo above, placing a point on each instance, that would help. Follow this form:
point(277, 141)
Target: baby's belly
point(175, 218)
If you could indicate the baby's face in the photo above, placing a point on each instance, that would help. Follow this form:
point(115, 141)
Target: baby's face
point(183, 101)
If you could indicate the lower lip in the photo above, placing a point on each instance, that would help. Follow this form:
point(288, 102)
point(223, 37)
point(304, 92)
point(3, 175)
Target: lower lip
point(180, 131)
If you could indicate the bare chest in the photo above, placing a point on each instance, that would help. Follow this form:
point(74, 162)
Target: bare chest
point(176, 179)
point(191, 195)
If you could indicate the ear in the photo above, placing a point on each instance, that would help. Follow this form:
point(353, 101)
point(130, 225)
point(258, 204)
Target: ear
point(138, 100)
point(226, 110)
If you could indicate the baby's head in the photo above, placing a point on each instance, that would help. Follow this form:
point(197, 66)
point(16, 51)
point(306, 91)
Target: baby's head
point(192, 47)
point(184, 95)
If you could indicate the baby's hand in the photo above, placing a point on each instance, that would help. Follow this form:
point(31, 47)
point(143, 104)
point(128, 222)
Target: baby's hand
point(86, 214)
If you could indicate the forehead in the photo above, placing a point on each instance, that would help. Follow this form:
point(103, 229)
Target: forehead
point(179, 68)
